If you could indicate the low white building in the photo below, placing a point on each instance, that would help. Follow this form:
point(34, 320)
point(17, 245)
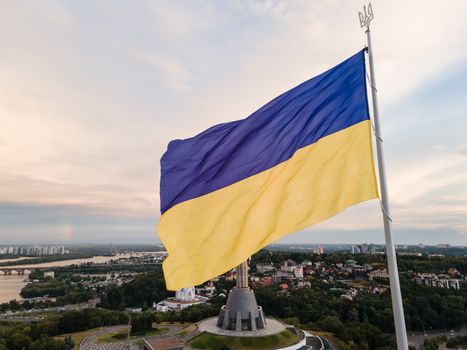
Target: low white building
point(265, 268)
point(381, 273)
point(184, 298)
point(50, 274)
point(207, 290)
point(432, 280)
point(289, 271)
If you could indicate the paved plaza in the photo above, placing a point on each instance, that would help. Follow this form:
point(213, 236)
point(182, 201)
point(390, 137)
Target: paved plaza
point(210, 326)
point(90, 342)
point(109, 346)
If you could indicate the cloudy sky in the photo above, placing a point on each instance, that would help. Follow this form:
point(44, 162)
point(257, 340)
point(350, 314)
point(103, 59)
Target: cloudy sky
point(91, 93)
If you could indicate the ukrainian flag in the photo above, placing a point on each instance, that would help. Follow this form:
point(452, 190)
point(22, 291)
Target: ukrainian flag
point(239, 186)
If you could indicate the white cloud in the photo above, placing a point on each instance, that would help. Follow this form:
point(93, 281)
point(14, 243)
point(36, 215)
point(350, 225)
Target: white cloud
point(90, 95)
point(174, 72)
point(462, 150)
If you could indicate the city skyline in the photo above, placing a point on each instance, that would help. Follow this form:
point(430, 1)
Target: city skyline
point(92, 94)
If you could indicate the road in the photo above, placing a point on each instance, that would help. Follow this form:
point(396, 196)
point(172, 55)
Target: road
point(75, 307)
point(89, 343)
point(418, 338)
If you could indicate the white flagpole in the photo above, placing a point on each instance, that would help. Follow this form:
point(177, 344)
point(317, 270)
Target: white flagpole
point(398, 310)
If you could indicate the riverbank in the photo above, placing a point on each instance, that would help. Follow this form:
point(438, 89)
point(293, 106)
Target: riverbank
point(15, 259)
point(43, 259)
point(11, 285)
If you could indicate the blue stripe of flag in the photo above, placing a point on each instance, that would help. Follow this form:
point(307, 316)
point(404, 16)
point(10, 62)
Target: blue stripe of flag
point(230, 152)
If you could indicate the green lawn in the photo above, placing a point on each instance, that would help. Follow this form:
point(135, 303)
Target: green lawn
point(112, 337)
point(153, 331)
point(183, 324)
point(187, 330)
point(122, 335)
point(47, 314)
point(208, 341)
point(77, 337)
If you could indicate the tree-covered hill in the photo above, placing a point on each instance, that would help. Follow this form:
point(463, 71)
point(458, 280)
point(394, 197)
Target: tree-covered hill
point(142, 291)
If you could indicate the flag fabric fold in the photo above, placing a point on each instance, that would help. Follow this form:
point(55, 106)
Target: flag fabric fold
point(239, 186)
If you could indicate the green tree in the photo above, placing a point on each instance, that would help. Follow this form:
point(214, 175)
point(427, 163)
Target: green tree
point(47, 343)
point(431, 344)
point(18, 341)
point(143, 290)
point(331, 324)
point(142, 322)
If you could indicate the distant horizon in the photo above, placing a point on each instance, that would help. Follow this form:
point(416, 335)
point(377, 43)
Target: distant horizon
point(312, 235)
point(273, 244)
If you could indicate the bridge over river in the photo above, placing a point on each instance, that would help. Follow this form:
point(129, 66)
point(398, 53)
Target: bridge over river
point(21, 270)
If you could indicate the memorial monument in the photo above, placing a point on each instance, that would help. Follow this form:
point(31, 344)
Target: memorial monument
point(241, 317)
point(241, 312)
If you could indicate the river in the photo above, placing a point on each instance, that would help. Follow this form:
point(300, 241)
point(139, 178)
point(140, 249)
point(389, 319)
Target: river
point(11, 285)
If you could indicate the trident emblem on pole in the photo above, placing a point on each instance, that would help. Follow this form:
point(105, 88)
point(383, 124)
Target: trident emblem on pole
point(366, 16)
